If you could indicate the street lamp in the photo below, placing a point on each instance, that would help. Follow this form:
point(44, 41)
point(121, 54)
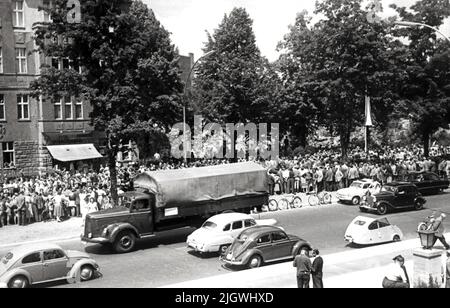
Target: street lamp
point(184, 94)
point(418, 24)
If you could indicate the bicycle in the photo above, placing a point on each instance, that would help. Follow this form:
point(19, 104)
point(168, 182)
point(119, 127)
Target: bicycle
point(273, 205)
point(290, 202)
point(321, 198)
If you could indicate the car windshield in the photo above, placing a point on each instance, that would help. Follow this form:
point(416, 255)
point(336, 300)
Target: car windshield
point(242, 238)
point(209, 225)
point(7, 258)
point(388, 189)
point(360, 223)
point(356, 185)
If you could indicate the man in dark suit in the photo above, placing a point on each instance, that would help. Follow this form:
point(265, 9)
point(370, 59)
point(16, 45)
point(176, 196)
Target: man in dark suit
point(317, 270)
point(21, 208)
point(438, 227)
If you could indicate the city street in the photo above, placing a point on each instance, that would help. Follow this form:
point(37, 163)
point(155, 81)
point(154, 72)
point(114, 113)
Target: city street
point(166, 260)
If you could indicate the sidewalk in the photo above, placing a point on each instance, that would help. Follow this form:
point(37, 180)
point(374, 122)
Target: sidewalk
point(362, 268)
point(40, 232)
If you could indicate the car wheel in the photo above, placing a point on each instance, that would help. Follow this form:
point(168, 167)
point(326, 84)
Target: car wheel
point(255, 261)
point(382, 209)
point(418, 206)
point(356, 200)
point(397, 238)
point(223, 249)
point(18, 282)
point(87, 272)
point(125, 242)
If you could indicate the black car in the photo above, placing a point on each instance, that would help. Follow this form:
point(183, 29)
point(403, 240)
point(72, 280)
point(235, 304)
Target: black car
point(428, 182)
point(394, 196)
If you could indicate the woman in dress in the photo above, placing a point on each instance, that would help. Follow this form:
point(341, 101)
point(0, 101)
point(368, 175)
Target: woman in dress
point(58, 209)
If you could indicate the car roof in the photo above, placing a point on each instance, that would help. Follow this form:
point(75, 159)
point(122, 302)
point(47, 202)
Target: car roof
point(25, 249)
point(396, 184)
point(229, 217)
point(258, 230)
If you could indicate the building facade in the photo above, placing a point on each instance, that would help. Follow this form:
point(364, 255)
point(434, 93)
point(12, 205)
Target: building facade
point(29, 126)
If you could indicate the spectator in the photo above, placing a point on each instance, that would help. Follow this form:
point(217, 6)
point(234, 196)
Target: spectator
point(304, 268)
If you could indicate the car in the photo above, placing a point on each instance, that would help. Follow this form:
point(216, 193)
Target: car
point(263, 244)
point(428, 182)
point(393, 196)
point(358, 190)
point(35, 264)
point(219, 232)
point(367, 231)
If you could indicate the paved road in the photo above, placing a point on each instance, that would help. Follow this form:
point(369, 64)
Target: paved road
point(166, 260)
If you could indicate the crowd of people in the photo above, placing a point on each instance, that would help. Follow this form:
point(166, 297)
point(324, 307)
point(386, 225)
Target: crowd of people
point(64, 194)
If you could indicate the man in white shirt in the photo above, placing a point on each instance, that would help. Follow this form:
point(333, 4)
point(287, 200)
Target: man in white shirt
point(397, 276)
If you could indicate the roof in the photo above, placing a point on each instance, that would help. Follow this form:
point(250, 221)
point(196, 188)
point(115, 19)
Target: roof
point(21, 251)
point(257, 230)
point(399, 184)
point(229, 217)
point(74, 152)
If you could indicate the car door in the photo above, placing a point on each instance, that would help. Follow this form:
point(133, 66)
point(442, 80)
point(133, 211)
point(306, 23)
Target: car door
point(55, 264)
point(236, 228)
point(385, 230)
point(402, 197)
point(32, 264)
point(373, 232)
point(264, 245)
point(142, 216)
point(281, 246)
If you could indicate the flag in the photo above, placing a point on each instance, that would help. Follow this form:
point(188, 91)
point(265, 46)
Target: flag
point(368, 112)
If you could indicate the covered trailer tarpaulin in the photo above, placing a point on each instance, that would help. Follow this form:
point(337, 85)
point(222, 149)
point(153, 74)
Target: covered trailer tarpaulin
point(214, 183)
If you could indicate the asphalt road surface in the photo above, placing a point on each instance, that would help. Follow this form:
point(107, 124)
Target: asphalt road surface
point(166, 260)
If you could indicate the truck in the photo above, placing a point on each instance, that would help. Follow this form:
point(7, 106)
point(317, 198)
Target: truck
point(172, 199)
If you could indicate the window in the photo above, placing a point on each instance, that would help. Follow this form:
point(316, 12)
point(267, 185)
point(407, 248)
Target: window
point(383, 223)
point(68, 113)
point(227, 227)
point(21, 61)
point(75, 65)
point(53, 254)
point(58, 110)
point(249, 223)
point(2, 107)
point(140, 205)
point(209, 225)
point(237, 225)
point(373, 226)
point(55, 63)
point(32, 258)
point(79, 110)
point(47, 5)
point(8, 154)
point(279, 236)
point(65, 63)
point(265, 239)
point(1, 61)
point(23, 107)
point(18, 15)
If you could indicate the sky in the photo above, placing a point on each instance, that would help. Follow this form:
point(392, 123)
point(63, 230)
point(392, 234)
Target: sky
point(187, 20)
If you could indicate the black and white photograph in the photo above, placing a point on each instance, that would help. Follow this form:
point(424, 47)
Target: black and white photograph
point(224, 150)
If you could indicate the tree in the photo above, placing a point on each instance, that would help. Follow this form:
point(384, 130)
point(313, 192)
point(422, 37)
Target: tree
point(425, 94)
point(231, 83)
point(129, 70)
point(336, 62)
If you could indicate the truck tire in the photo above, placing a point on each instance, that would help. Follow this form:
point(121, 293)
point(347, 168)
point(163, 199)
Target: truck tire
point(124, 242)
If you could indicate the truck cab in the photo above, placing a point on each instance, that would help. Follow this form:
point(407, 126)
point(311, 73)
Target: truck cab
point(121, 226)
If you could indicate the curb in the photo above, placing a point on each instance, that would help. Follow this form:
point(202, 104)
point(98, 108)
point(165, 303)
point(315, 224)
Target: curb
point(61, 239)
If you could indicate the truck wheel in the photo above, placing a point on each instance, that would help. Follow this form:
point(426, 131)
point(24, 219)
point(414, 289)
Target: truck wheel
point(255, 261)
point(18, 282)
point(382, 209)
point(125, 242)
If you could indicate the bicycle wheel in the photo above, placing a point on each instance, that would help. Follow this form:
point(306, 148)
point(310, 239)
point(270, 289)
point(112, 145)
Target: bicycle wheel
point(313, 200)
point(297, 203)
point(273, 205)
point(283, 204)
point(326, 198)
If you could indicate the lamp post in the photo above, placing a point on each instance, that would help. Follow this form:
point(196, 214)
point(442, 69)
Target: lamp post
point(185, 99)
point(418, 24)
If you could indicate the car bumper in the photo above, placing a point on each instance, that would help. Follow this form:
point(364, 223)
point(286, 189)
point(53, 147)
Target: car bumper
point(368, 208)
point(96, 240)
point(198, 247)
point(349, 239)
point(344, 198)
point(231, 262)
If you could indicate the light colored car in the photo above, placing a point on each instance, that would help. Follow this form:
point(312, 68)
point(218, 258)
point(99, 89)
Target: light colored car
point(355, 193)
point(367, 231)
point(219, 232)
point(34, 264)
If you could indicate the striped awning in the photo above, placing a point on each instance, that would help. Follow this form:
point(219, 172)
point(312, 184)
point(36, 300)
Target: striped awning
point(74, 152)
